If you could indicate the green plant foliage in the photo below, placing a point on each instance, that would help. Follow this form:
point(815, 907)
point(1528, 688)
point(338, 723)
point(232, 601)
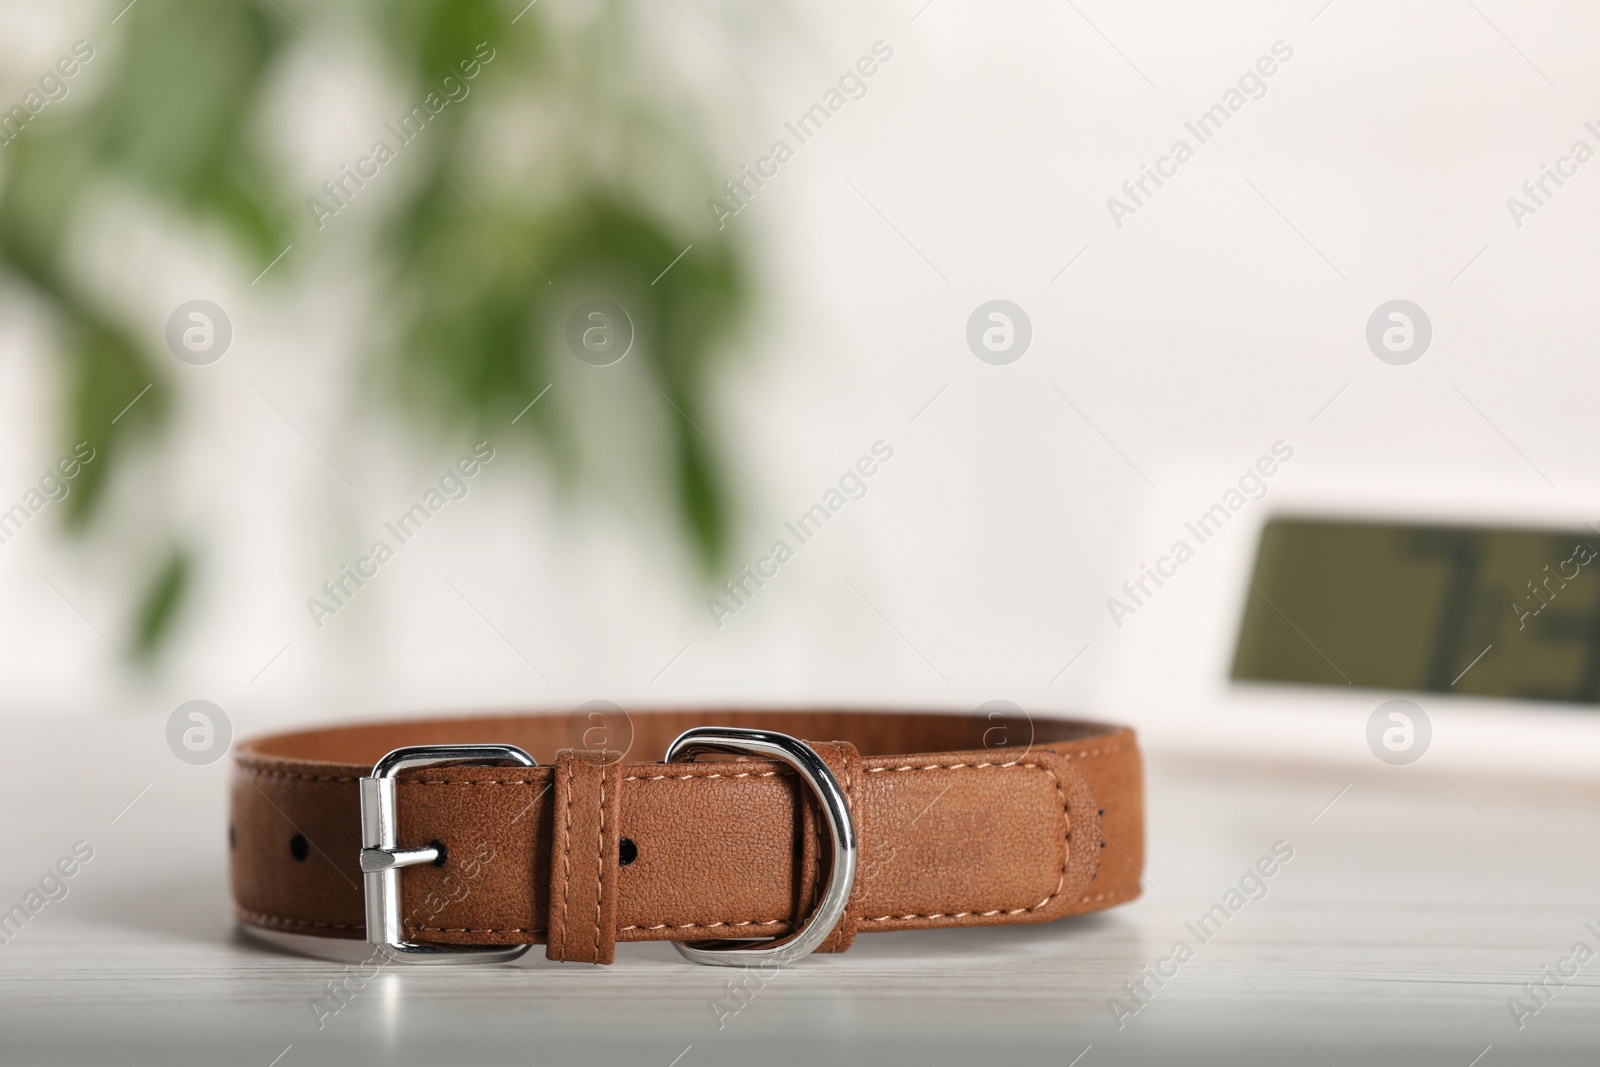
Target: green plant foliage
point(154, 614)
point(465, 323)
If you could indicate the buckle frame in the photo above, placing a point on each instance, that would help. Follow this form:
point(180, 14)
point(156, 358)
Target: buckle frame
point(382, 857)
point(769, 744)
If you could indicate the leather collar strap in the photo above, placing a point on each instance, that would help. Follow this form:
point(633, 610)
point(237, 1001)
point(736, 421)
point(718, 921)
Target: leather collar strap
point(951, 833)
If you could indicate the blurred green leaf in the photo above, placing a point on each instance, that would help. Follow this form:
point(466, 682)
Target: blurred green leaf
point(158, 607)
point(178, 122)
point(177, 116)
point(108, 373)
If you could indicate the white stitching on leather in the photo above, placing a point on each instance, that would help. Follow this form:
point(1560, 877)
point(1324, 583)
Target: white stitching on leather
point(566, 864)
point(600, 864)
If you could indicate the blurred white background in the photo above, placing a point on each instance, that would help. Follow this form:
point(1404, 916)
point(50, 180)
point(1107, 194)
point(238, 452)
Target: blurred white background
point(1223, 316)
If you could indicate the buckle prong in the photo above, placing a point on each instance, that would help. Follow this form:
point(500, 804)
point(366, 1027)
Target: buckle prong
point(382, 859)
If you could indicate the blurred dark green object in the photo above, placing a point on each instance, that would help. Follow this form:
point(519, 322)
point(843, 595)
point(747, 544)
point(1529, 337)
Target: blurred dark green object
point(1509, 613)
point(467, 319)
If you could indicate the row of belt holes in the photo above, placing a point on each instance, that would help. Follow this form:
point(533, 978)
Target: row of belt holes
point(300, 848)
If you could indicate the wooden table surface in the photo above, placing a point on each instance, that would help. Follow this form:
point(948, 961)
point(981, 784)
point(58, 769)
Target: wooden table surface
point(1414, 907)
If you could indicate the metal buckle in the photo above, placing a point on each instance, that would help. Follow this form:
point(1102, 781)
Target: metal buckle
point(841, 828)
point(382, 857)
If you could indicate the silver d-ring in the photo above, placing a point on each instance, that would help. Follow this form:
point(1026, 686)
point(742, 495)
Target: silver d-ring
point(768, 744)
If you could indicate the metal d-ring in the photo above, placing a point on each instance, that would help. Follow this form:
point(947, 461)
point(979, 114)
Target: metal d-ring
point(768, 744)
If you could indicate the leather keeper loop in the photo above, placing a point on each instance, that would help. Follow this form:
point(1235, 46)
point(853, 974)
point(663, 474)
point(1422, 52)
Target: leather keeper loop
point(587, 831)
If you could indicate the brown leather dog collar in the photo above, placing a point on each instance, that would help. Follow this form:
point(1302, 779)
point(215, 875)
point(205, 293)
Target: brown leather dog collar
point(596, 848)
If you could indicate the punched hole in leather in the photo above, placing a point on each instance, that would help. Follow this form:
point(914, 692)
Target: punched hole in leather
point(585, 856)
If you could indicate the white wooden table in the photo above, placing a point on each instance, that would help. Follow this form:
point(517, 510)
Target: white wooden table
point(1413, 908)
